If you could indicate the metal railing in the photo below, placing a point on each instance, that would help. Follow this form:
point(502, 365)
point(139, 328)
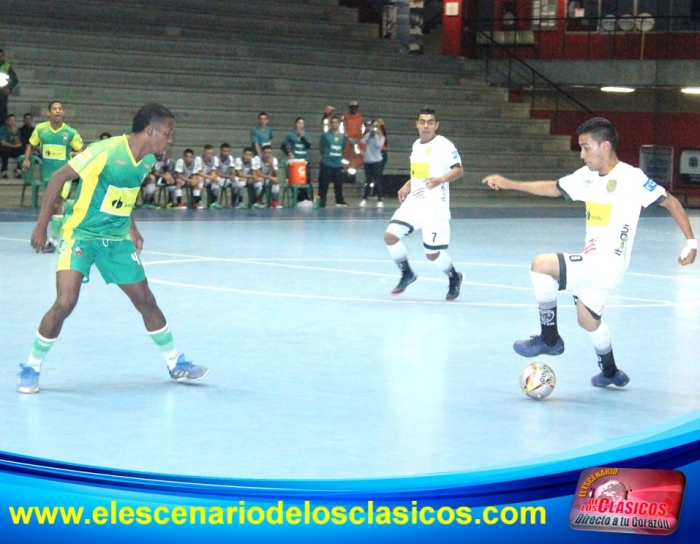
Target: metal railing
point(525, 83)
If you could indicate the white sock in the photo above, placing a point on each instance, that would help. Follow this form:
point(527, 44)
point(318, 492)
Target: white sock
point(601, 339)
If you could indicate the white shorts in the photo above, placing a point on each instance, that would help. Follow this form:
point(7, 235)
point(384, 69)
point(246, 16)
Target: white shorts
point(590, 277)
point(436, 228)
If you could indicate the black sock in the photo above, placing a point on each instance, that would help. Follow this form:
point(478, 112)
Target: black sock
point(548, 321)
point(405, 268)
point(452, 273)
point(606, 362)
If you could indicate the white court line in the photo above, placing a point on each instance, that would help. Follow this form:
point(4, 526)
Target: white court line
point(184, 258)
point(392, 300)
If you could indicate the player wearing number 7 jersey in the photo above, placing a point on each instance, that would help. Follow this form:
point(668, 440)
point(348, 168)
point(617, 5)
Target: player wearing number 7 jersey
point(100, 231)
point(425, 204)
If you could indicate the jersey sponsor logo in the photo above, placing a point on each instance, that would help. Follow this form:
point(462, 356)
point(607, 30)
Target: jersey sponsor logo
point(611, 186)
point(420, 170)
point(53, 152)
point(119, 201)
point(588, 182)
point(624, 234)
point(650, 185)
point(597, 215)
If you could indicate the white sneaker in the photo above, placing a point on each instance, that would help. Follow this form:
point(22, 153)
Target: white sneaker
point(363, 203)
point(380, 204)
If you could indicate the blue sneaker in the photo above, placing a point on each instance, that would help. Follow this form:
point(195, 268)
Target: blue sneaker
point(28, 380)
point(534, 346)
point(619, 379)
point(186, 371)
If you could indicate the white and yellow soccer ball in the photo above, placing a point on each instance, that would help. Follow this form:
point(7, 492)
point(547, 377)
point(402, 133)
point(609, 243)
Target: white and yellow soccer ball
point(537, 380)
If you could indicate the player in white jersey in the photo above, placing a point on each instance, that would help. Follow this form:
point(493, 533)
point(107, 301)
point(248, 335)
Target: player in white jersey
point(207, 167)
point(425, 204)
point(248, 170)
point(269, 169)
point(228, 178)
point(614, 193)
point(185, 174)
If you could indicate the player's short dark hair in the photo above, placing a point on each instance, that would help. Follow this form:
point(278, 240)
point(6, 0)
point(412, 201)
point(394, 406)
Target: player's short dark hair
point(299, 119)
point(266, 146)
point(248, 149)
point(208, 146)
point(224, 145)
point(335, 116)
point(427, 110)
point(188, 150)
point(148, 115)
point(261, 114)
point(54, 102)
point(601, 130)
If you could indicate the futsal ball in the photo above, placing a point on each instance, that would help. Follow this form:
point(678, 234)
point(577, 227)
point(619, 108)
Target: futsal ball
point(537, 380)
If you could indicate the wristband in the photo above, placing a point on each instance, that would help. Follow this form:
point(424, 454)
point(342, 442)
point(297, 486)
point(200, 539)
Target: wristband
point(691, 243)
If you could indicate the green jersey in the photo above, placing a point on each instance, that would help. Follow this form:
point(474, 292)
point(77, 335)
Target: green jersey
point(332, 146)
point(110, 181)
point(260, 136)
point(55, 145)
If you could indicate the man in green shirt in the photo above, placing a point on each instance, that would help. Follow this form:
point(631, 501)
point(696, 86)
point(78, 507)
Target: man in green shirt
point(100, 231)
point(57, 142)
point(260, 135)
point(331, 148)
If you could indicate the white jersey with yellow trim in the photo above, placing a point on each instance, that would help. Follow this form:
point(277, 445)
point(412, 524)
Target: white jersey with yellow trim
point(613, 204)
point(430, 160)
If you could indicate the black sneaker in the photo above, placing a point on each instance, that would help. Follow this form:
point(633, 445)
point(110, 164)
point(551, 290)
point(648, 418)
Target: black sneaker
point(406, 280)
point(455, 285)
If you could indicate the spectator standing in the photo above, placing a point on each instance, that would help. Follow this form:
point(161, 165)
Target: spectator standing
point(296, 146)
point(373, 141)
point(331, 148)
point(8, 81)
point(260, 135)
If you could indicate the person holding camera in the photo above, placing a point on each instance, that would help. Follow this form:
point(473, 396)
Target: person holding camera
point(373, 140)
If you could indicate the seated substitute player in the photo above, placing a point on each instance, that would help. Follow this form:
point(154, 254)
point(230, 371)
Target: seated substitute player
point(207, 167)
point(248, 171)
point(269, 169)
point(227, 176)
point(425, 204)
point(614, 193)
point(101, 231)
point(185, 174)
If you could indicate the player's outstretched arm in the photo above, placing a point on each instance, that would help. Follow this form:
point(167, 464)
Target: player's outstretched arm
point(53, 189)
point(539, 188)
point(675, 208)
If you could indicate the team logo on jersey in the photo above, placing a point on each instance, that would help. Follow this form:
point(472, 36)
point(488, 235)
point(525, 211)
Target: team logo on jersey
point(650, 185)
point(611, 186)
point(65, 137)
point(429, 151)
point(119, 201)
point(588, 182)
point(455, 154)
point(84, 157)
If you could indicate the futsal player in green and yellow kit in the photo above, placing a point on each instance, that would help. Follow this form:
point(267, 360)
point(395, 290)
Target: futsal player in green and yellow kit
point(56, 142)
point(100, 231)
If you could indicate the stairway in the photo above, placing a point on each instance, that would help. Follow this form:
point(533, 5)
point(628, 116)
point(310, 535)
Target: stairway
point(217, 66)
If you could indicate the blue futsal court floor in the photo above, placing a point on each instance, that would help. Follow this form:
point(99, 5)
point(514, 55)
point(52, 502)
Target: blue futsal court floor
point(316, 371)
